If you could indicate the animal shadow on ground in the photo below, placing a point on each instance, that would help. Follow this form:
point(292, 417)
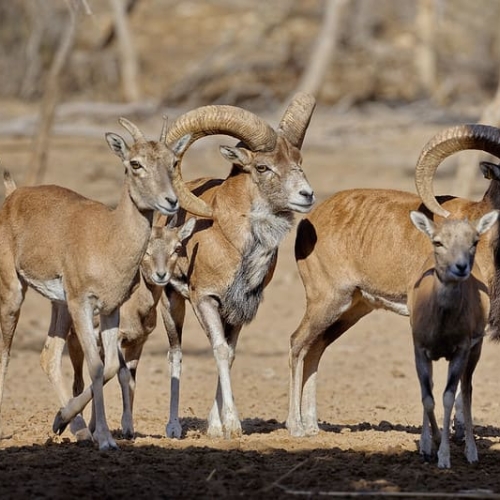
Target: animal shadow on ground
point(150, 471)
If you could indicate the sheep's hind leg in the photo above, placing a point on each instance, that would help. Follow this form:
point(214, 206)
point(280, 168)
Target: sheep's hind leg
point(11, 299)
point(173, 308)
point(129, 360)
point(51, 363)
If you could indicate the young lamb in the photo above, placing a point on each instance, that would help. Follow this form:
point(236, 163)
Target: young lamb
point(138, 319)
point(449, 307)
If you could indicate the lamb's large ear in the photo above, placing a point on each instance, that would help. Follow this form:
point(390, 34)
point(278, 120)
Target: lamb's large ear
point(179, 147)
point(117, 145)
point(486, 222)
point(422, 223)
point(187, 229)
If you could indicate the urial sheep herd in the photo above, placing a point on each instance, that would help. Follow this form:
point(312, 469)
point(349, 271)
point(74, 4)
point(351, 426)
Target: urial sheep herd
point(214, 243)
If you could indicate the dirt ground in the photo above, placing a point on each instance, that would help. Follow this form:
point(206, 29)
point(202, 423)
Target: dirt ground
point(368, 396)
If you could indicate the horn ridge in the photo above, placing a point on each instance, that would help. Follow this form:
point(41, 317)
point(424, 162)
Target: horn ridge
point(227, 120)
point(444, 144)
point(296, 118)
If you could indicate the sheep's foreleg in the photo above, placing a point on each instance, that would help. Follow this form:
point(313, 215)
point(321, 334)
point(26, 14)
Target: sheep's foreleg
point(430, 430)
point(219, 413)
point(223, 419)
point(99, 372)
point(458, 419)
point(455, 371)
point(173, 309)
point(470, 443)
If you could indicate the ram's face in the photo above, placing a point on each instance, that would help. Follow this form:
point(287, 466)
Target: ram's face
point(277, 174)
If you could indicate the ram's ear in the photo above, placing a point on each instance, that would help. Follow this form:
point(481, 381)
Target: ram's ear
point(240, 156)
point(117, 145)
point(422, 223)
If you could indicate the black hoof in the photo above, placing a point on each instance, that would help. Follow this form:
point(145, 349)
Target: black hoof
point(459, 433)
point(59, 424)
point(128, 435)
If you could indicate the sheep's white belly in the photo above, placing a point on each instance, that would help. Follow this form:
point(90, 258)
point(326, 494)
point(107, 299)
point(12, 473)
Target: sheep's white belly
point(51, 289)
point(383, 303)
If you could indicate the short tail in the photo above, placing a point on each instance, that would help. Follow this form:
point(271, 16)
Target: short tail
point(8, 182)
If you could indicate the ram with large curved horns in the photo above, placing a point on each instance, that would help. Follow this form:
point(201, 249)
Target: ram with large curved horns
point(357, 250)
point(230, 259)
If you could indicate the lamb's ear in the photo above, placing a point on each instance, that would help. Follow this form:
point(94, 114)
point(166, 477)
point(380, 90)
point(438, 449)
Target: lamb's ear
point(179, 147)
point(117, 145)
point(187, 229)
point(486, 222)
point(422, 223)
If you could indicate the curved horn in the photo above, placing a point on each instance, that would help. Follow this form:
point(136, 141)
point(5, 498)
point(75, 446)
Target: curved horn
point(163, 135)
point(211, 120)
point(227, 120)
point(132, 129)
point(296, 118)
point(444, 144)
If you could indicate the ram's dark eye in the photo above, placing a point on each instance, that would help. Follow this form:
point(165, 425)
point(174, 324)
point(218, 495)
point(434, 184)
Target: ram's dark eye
point(437, 244)
point(135, 164)
point(178, 249)
point(261, 168)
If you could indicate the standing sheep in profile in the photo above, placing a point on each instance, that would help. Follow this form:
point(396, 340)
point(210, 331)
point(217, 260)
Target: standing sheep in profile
point(352, 265)
point(449, 306)
point(84, 256)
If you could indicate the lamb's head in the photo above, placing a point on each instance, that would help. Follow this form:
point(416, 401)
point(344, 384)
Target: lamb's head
point(272, 158)
point(148, 170)
point(454, 242)
point(164, 246)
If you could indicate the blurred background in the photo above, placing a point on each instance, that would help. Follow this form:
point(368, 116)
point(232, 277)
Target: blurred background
point(253, 53)
point(66, 67)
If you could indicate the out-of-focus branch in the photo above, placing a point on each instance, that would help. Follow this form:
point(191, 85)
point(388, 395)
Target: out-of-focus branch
point(38, 162)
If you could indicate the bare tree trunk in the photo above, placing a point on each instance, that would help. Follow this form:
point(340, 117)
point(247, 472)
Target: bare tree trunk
point(425, 57)
point(323, 49)
point(37, 13)
point(40, 148)
point(110, 36)
point(467, 166)
point(127, 52)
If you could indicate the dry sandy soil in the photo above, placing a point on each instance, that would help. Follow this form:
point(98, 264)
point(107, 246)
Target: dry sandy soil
point(368, 397)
